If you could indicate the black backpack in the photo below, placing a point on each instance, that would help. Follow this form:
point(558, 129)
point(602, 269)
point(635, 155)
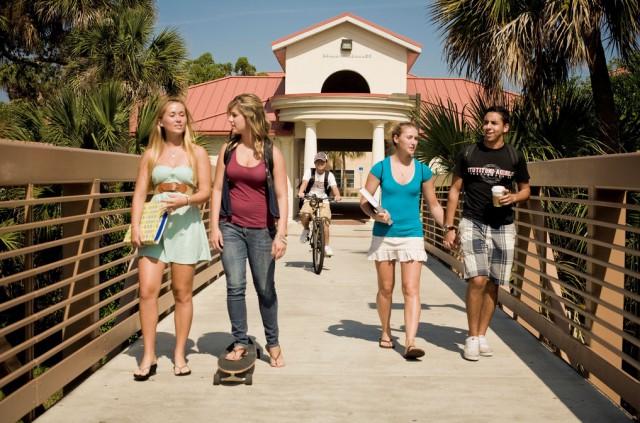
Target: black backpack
point(272, 202)
point(268, 156)
point(327, 189)
point(470, 149)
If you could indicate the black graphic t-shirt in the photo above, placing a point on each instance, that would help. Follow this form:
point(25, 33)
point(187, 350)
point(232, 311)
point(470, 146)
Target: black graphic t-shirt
point(483, 169)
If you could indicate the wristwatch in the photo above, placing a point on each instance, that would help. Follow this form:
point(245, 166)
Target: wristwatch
point(450, 227)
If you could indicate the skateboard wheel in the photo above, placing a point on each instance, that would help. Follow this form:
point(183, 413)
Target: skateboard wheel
point(216, 378)
point(248, 379)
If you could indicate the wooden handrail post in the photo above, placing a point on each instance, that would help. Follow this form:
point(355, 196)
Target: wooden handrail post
point(75, 248)
point(607, 274)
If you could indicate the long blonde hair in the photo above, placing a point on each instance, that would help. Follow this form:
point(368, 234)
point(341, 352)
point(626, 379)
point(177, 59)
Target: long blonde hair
point(251, 108)
point(158, 138)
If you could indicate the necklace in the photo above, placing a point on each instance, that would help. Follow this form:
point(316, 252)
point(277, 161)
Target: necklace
point(402, 168)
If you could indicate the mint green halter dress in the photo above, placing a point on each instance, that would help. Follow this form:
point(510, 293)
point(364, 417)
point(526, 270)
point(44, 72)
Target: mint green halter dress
point(185, 239)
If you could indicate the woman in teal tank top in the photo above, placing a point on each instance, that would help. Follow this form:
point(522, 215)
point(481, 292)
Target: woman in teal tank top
point(397, 231)
point(179, 174)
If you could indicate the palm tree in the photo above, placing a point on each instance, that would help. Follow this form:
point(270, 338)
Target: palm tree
point(444, 132)
point(536, 44)
point(560, 124)
point(34, 39)
point(124, 48)
point(341, 158)
point(94, 119)
point(146, 122)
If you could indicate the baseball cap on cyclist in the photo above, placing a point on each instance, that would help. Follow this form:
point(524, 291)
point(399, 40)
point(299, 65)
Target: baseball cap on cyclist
point(320, 156)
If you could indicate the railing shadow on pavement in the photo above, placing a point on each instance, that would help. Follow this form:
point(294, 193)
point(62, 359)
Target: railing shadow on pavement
point(542, 362)
point(576, 275)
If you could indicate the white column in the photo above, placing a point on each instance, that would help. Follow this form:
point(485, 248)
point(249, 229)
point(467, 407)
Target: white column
point(377, 148)
point(310, 143)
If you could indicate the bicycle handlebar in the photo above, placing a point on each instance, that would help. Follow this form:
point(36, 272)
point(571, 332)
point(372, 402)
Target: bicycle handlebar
point(313, 196)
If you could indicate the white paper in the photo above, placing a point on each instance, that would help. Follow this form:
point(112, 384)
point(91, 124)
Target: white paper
point(374, 203)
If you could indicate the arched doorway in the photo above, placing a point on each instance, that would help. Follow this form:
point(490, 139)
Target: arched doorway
point(345, 81)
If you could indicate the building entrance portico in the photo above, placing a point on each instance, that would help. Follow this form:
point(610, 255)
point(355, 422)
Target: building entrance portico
point(350, 117)
point(344, 82)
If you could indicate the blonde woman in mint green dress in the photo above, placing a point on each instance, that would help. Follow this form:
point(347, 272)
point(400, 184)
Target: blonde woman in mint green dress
point(178, 172)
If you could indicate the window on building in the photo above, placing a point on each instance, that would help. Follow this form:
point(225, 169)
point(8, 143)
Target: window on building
point(349, 177)
point(345, 81)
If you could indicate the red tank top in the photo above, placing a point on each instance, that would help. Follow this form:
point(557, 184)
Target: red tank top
point(247, 194)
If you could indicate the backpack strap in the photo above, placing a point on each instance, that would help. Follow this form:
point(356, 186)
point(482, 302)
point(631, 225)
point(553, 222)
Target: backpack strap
point(469, 150)
point(326, 182)
point(268, 156)
point(227, 152)
point(512, 154)
point(311, 180)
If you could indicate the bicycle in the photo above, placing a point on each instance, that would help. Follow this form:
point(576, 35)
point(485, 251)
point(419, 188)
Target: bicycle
point(316, 232)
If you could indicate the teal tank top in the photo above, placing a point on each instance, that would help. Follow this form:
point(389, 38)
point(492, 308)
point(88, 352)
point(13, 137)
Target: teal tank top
point(401, 201)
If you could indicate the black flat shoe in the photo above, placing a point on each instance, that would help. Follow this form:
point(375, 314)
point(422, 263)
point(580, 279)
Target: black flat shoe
point(151, 370)
point(412, 353)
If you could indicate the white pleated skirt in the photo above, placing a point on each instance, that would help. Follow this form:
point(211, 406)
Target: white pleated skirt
point(400, 249)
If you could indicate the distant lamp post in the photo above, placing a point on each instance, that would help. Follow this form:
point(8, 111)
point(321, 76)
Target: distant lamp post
point(346, 44)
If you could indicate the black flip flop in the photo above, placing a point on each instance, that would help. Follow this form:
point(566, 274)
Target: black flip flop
point(411, 353)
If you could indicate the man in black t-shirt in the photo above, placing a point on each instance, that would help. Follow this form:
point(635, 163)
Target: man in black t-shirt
point(486, 232)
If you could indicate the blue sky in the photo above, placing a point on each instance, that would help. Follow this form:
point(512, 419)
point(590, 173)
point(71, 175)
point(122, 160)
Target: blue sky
point(229, 30)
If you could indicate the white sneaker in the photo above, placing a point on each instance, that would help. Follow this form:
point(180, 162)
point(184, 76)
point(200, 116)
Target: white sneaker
point(328, 251)
point(485, 349)
point(472, 348)
point(304, 236)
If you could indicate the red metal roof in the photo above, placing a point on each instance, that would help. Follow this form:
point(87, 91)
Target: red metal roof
point(460, 91)
point(208, 101)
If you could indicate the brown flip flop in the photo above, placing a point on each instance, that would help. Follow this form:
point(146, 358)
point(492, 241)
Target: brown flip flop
point(389, 343)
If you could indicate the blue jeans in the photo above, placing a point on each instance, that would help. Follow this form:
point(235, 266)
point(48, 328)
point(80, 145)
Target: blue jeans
point(241, 244)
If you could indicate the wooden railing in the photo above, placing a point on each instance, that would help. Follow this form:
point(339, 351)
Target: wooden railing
point(68, 284)
point(576, 276)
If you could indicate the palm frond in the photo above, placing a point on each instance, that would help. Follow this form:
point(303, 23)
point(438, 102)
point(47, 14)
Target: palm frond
point(146, 122)
point(109, 117)
point(66, 120)
point(9, 240)
point(444, 131)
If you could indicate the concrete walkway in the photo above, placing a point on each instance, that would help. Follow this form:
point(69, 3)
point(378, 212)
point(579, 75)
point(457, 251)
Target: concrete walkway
point(335, 371)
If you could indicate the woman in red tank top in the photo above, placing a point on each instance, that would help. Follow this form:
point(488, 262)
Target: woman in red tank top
point(250, 227)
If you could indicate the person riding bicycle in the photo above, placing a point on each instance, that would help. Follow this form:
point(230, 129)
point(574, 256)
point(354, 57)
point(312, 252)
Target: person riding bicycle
point(321, 182)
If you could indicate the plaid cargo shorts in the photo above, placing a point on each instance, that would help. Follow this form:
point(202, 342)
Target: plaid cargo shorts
point(487, 251)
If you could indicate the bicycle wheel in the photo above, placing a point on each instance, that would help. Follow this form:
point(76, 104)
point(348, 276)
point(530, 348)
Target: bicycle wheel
point(317, 246)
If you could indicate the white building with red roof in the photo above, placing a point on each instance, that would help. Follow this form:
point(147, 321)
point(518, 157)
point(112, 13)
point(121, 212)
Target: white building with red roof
point(345, 81)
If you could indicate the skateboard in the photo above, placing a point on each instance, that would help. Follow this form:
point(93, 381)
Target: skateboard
point(237, 370)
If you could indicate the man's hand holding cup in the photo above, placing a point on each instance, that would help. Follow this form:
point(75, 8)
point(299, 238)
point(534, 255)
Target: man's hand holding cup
point(500, 196)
